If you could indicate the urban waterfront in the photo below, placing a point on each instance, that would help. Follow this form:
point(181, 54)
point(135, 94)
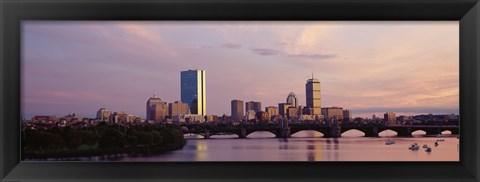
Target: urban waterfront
point(305, 146)
point(290, 97)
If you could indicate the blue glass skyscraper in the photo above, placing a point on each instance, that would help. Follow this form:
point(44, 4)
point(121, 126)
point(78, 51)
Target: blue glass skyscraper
point(193, 91)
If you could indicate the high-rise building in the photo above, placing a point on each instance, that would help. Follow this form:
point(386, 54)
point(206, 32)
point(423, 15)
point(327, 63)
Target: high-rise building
point(292, 99)
point(272, 111)
point(389, 118)
point(347, 115)
point(159, 111)
point(237, 110)
point(312, 88)
point(154, 100)
point(282, 109)
point(332, 113)
point(177, 108)
point(103, 114)
point(193, 91)
point(255, 106)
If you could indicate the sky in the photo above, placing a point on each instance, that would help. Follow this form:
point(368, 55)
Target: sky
point(367, 67)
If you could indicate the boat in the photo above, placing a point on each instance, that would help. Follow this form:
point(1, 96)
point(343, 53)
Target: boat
point(425, 146)
point(436, 144)
point(414, 146)
point(440, 140)
point(428, 149)
point(389, 142)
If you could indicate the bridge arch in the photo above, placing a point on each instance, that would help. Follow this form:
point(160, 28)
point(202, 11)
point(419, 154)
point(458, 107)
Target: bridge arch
point(193, 135)
point(446, 132)
point(307, 133)
point(261, 134)
point(418, 132)
point(224, 135)
point(388, 132)
point(353, 133)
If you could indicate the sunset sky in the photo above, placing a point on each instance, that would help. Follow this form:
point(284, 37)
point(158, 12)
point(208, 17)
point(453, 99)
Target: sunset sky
point(367, 67)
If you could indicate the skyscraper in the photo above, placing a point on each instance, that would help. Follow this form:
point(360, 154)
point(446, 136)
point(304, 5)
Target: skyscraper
point(151, 102)
point(312, 88)
point(255, 106)
point(237, 110)
point(193, 91)
point(292, 99)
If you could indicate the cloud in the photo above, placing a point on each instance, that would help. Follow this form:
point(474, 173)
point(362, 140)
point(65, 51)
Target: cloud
point(273, 52)
point(231, 46)
point(266, 52)
point(313, 56)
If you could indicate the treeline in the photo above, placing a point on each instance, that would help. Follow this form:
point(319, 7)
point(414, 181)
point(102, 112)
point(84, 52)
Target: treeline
point(101, 140)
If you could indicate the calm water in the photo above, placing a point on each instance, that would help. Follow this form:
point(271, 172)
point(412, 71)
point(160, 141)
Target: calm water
point(308, 146)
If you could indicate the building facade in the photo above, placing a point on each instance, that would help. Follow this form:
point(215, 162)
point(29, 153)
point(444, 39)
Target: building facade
point(272, 111)
point(292, 99)
point(347, 115)
point(103, 115)
point(389, 118)
point(177, 108)
point(330, 113)
point(237, 110)
point(193, 91)
point(152, 101)
point(312, 89)
point(254, 106)
point(282, 109)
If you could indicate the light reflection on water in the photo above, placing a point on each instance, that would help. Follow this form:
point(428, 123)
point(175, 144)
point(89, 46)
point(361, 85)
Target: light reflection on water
point(308, 146)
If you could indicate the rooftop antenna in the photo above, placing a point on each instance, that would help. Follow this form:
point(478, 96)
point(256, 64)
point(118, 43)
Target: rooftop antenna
point(154, 94)
point(312, 75)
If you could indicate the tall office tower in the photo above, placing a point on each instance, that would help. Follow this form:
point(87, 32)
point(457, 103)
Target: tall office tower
point(237, 110)
point(177, 108)
point(347, 115)
point(193, 89)
point(150, 103)
point(292, 99)
point(103, 114)
point(312, 88)
point(283, 108)
point(255, 106)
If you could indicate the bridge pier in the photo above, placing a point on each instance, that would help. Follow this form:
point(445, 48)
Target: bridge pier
point(284, 133)
point(243, 133)
point(373, 132)
point(334, 132)
point(207, 134)
point(433, 131)
point(407, 132)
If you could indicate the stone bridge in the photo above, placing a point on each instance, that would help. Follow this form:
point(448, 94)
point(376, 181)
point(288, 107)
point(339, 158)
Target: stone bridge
point(327, 130)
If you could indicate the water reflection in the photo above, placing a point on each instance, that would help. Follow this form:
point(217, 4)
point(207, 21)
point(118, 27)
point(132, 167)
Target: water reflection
point(261, 146)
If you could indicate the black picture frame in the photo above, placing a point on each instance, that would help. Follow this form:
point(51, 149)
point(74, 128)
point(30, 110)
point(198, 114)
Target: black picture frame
point(12, 12)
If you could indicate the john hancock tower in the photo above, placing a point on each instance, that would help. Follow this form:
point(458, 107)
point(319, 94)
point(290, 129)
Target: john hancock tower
point(193, 91)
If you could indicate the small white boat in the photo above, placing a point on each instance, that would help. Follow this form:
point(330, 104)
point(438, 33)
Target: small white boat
point(389, 142)
point(425, 146)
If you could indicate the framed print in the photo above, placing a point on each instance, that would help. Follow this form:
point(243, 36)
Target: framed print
point(202, 90)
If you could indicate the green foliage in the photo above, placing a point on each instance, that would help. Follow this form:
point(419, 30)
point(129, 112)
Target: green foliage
point(102, 139)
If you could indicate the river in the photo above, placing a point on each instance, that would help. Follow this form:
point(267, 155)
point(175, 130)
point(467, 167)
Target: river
point(309, 146)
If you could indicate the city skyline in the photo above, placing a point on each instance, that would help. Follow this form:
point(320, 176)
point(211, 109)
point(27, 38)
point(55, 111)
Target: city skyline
point(118, 65)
